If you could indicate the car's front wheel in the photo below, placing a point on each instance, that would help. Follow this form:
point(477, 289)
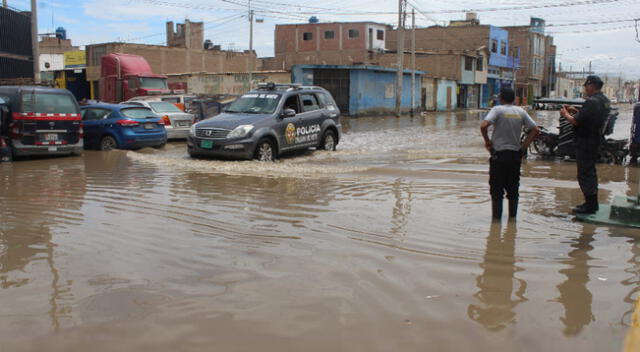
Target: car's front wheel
point(265, 151)
point(329, 140)
point(108, 143)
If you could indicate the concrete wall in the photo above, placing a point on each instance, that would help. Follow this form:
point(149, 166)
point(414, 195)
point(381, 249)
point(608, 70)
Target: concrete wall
point(372, 36)
point(227, 83)
point(55, 61)
point(169, 60)
point(429, 93)
point(445, 86)
point(373, 92)
point(467, 77)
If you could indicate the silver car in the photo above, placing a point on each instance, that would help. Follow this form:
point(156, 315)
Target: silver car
point(176, 121)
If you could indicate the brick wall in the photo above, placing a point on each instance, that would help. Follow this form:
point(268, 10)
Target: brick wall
point(165, 60)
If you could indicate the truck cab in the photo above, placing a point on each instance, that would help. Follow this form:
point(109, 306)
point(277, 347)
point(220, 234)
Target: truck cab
point(124, 76)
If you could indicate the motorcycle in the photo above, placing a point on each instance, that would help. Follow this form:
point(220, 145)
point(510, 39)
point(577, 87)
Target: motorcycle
point(552, 145)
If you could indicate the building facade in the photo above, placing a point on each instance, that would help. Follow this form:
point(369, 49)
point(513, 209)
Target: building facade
point(482, 51)
point(536, 74)
point(360, 89)
point(185, 57)
point(343, 43)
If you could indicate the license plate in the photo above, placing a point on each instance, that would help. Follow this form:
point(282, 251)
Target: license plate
point(52, 149)
point(206, 144)
point(50, 136)
point(183, 123)
point(148, 126)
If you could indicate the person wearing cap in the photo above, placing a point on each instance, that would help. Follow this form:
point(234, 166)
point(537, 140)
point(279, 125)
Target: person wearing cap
point(587, 127)
point(506, 150)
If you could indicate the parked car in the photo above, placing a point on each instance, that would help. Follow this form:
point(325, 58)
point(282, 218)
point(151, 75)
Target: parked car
point(176, 121)
point(182, 101)
point(267, 122)
point(40, 121)
point(121, 126)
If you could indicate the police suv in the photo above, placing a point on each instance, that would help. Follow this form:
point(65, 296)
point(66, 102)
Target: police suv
point(267, 122)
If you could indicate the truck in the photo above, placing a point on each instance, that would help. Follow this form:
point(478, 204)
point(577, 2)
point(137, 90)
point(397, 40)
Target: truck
point(124, 76)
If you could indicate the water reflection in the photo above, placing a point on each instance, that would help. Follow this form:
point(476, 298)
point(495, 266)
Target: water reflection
point(574, 294)
point(402, 192)
point(33, 204)
point(497, 282)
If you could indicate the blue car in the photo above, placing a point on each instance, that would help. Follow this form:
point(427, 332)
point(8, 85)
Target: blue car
point(121, 126)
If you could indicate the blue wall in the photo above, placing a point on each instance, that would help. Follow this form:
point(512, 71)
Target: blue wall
point(372, 89)
point(441, 104)
point(497, 59)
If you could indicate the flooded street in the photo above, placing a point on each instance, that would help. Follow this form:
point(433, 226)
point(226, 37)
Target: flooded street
point(383, 245)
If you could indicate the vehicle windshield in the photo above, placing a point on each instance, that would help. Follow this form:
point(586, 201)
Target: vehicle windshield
point(138, 113)
point(153, 83)
point(255, 104)
point(49, 103)
point(163, 106)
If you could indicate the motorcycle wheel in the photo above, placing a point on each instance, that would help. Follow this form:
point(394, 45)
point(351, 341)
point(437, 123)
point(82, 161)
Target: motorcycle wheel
point(607, 157)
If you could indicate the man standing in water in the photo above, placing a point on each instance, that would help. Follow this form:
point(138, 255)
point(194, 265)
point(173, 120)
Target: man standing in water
point(587, 128)
point(506, 150)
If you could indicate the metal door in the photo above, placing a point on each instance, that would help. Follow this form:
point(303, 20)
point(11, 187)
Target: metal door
point(337, 82)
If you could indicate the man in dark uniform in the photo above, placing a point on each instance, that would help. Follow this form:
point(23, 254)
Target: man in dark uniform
point(634, 149)
point(587, 126)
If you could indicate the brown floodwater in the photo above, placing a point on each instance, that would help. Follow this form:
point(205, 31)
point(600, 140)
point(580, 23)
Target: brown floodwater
point(384, 245)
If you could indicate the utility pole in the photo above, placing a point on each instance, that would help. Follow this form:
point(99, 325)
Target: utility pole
point(400, 52)
point(413, 61)
point(251, 45)
point(34, 42)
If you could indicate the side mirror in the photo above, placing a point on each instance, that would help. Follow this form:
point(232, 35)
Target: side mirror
point(288, 113)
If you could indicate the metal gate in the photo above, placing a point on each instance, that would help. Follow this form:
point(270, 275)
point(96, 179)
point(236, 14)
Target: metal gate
point(337, 82)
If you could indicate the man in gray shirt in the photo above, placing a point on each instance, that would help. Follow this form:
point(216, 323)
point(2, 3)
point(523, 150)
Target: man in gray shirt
point(506, 150)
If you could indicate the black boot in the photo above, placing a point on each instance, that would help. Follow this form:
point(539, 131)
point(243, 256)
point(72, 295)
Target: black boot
point(579, 208)
point(591, 206)
point(496, 209)
point(513, 208)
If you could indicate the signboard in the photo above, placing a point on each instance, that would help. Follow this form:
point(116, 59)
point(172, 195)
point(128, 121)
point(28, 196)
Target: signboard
point(75, 59)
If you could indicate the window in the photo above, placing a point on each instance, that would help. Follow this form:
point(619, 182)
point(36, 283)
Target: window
point(325, 100)
point(292, 103)
point(354, 33)
point(96, 54)
point(479, 63)
point(95, 114)
point(329, 34)
point(468, 63)
point(153, 83)
point(163, 106)
point(503, 47)
point(494, 46)
point(307, 36)
point(137, 113)
point(49, 103)
point(253, 103)
point(380, 34)
point(133, 83)
point(309, 102)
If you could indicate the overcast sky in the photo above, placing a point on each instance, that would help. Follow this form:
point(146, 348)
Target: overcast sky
point(600, 31)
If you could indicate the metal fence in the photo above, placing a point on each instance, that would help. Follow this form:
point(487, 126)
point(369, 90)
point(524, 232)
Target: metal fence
point(15, 32)
point(13, 68)
point(16, 56)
